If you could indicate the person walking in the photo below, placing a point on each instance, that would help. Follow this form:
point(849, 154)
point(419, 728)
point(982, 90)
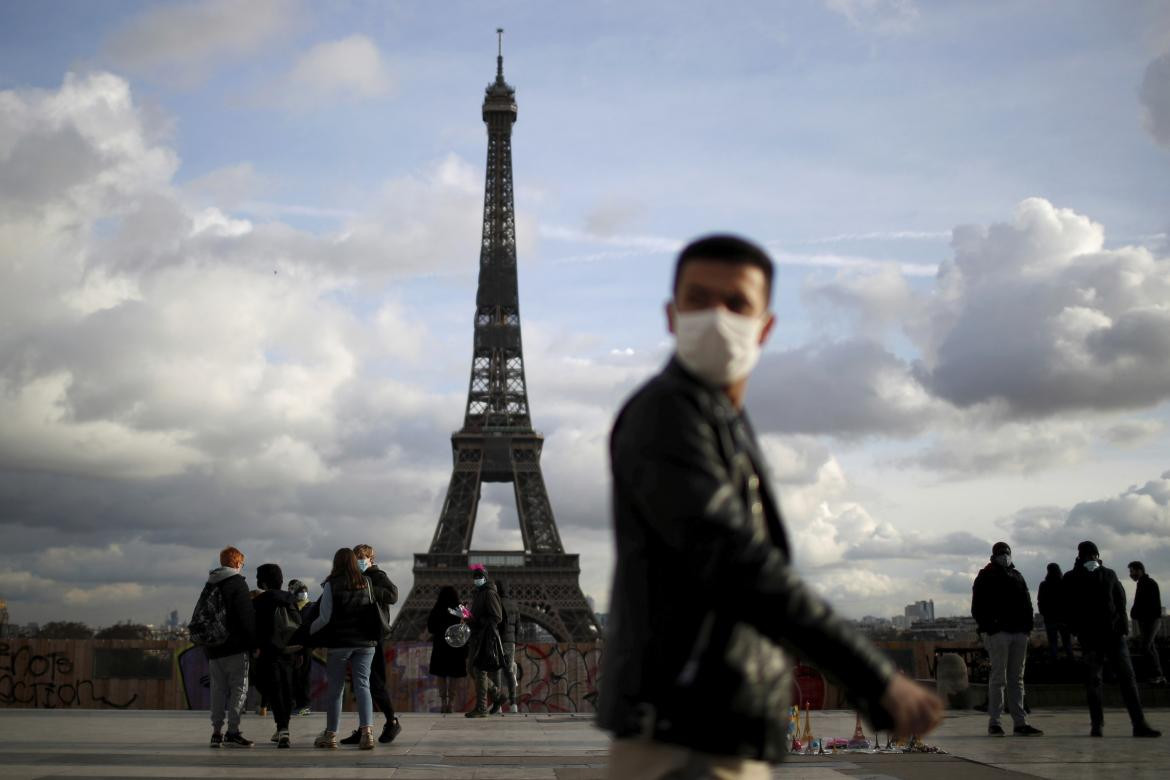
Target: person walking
point(695, 680)
point(1002, 607)
point(273, 668)
point(385, 593)
point(486, 614)
point(303, 660)
point(228, 662)
point(1147, 614)
point(506, 676)
point(1051, 604)
point(1096, 601)
point(348, 627)
point(447, 663)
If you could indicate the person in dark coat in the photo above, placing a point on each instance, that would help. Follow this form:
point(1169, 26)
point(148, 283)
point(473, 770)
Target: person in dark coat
point(447, 663)
point(274, 663)
point(1096, 602)
point(228, 662)
point(347, 625)
point(506, 676)
point(1050, 603)
point(385, 593)
point(486, 614)
point(1147, 613)
point(706, 599)
point(303, 661)
point(1002, 607)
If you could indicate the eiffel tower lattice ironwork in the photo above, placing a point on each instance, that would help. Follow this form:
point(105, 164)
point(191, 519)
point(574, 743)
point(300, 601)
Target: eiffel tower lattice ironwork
point(497, 442)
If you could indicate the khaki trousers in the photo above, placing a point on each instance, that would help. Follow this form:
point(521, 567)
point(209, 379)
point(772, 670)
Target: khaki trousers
point(641, 759)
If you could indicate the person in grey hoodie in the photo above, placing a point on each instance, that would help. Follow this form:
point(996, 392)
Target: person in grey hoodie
point(228, 662)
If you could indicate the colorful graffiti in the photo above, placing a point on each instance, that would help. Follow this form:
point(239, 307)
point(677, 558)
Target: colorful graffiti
point(195, 679)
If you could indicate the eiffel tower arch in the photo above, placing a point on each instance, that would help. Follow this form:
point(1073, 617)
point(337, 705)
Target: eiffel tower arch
point(497, 442)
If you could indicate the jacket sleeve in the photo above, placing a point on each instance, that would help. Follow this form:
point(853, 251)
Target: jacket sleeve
point(1118, 595)
point(246, 614)
point(324, 609)
point(669, 461)
point(385, 592)
point(1155, 598)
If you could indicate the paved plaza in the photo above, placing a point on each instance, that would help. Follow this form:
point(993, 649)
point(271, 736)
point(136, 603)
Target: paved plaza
point(104, 744)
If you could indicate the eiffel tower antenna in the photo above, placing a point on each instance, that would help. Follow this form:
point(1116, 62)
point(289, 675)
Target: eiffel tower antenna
point(497, 442)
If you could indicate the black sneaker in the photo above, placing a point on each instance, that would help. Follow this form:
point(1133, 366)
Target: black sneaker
point(352, 739)
point(995, 730)
point(1096, 731)
point(1145, 731)
point(216, 741)
point(284, 741)
point(476, 713)
point(1027, 731)
point(236, 739)
point(391, 730)
point(495, 708)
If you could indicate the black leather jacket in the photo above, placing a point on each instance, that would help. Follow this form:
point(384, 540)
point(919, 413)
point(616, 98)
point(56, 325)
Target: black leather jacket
point(704, 594)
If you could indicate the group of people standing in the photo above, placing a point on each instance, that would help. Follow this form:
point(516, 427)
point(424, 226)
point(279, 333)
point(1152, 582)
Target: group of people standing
point(1087, 601)
point(269, 634)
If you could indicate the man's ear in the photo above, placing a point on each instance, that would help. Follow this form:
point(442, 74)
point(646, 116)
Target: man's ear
point(670, 316)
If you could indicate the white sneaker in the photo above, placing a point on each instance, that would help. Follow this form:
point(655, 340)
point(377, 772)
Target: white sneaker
point(514, 708)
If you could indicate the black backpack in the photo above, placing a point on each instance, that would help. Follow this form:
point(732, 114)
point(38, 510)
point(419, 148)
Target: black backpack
point(208, 625)
point(286, 621)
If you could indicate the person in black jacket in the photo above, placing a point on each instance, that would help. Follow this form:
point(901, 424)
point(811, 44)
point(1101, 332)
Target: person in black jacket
point(506, 676)
point(228, 662)
point(1096, 603)
point(303, 661)
point(446, 662)
point(1050, 603)
point(1147, 613)
point(1002, 607)
point(347, 625)
point(386, 593)
point(273, 672)
point(486, 614)
point(699, 681)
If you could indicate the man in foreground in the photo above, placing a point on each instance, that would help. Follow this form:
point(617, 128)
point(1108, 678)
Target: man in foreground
point(1002, 607)
point(695, 682)
point(228, 661)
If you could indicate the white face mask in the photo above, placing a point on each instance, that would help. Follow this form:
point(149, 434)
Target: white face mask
point(1091, 565)
point(717, 346)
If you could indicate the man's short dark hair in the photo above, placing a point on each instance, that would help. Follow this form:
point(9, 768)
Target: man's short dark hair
point(725, 248)
point(1138, 565)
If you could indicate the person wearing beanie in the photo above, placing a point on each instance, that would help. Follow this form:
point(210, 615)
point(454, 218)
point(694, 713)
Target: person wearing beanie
point(1002, 607)
point(486, 615)
point(1096, 601)
point(1050, 603)
point(275, 659)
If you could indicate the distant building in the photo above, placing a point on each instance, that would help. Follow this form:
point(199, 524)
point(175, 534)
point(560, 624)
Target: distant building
point(902, 622)
point(173, 619)
point(920, 610)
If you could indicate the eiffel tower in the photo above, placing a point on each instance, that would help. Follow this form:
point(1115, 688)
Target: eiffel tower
point(497, 442)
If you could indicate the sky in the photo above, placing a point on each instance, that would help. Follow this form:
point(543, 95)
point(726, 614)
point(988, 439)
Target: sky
point(239, 246)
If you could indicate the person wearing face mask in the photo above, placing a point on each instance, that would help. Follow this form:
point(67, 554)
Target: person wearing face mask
point(486, 614)
point(1096, 601)
point(385, 593)
point(1147, 614)
point(1002, 607)
point(694, 680)
point(303, 669)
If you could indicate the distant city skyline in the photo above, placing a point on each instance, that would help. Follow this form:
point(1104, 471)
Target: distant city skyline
point(239, 243)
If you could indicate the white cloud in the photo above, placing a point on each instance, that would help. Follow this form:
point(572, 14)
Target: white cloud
point(348, 68)
point(183, 43)
point(883, 16)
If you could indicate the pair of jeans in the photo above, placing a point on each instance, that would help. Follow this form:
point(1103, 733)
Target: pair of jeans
point(1147, 636)
point(229, 690)
point(1114, 651)
point(484, 681)
point(359, 659)
point(1058, 631)
point(1007, 653)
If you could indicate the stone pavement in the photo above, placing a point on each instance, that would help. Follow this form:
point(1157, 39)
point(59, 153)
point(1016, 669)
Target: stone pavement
point(105, 744)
